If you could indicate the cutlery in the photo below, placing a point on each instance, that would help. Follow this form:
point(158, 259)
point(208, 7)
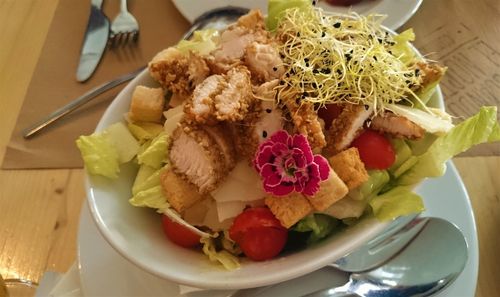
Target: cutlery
point(431, 261)
point(216, 18)
point(124, 28)
point(94, 43)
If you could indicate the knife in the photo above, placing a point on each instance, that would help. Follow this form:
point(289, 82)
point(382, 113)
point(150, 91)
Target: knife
point(94, 42)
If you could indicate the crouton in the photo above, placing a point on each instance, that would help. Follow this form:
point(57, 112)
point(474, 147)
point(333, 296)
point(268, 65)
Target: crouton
point(330, 191)
point(180, 193)
point(289, 209)
point(349, 167)
point(147, 104)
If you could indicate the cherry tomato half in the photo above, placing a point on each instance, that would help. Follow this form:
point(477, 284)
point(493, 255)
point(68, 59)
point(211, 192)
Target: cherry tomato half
point(259, 234)
point(179, 234)
point(329, 113)
point(375, 150)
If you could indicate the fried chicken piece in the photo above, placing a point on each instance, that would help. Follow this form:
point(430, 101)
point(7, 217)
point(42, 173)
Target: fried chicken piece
point(234, 41)
point(262, 121)
point(221, 98)
point(397, 126)
point(264, 62)
point(429, 73)
point(232, 103)
point(177, 71)
point(223, 138)
point(345, 128)
point(200, 107)
point(306, 122)
point(197, 156)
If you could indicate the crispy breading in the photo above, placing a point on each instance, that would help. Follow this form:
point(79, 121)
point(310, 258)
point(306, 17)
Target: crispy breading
point(180, 193)
point(232, 103)
point(349, 167)
point(429, 73)
point(234, 41)
point(289, 209)
point(196, 155)
point(396, 126)
point(306, 122)
point(264, 62)
point(345, 128)
point(245, 139)
point(147, 104)
point(330, 191)
point(177, 71)
point(224, 97)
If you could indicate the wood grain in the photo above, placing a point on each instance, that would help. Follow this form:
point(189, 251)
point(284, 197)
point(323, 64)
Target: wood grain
point(39, 209)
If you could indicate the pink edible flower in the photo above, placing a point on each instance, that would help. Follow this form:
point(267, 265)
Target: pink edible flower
point(286, 163)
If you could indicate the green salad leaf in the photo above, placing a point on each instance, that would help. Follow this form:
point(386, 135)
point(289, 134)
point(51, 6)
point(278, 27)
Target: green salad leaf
point(145, 131)
point(152, 197)
point(402, 48)
point(154, 153)
point(203, 42)
point(482, 127)
point(276, 7)
point(99, 155)
point(228, 260)
point(399, 201)
point(124, 142)
point(320, 226)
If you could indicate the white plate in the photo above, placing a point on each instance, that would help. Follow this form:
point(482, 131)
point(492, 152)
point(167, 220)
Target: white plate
point(397, 11)
point(103, 272)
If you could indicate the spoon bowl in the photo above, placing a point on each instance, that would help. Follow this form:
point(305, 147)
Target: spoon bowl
point(432, 260)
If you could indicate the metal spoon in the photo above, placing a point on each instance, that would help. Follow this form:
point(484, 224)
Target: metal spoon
point(430, 262)
point(217, 18)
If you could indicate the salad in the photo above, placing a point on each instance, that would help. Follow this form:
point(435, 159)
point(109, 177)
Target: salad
point(275, 133)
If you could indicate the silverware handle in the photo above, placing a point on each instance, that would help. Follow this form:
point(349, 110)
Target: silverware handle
point(68, 108)
point(333, 292)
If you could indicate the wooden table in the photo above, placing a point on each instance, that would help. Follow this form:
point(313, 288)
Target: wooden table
point(39, 209)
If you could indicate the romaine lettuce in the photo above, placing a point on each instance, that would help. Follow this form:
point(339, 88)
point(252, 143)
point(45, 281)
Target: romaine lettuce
point(276, 7)
point(320, 226)
point(229, 261)
point(154, 154)
point(124, 142)
point(402, 48)
point(144, 131)
point(483, 127)
point(399, 201)
point(202, 42)
point(99, 155)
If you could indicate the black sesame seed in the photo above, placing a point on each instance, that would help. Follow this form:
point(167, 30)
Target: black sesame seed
point(264, 134)
point(314, 2)
point(407, 82)
point(336, 25)
point(306, 60)
point(375, 58)
point(307, 64)
point(323, 34)
point(417, 72)
point(315, 71)
point(268, 110)
point(297, 101)
point(339, 72)
point(275, 68)
point(326, 71)
point(314, 85)
point(367, 107)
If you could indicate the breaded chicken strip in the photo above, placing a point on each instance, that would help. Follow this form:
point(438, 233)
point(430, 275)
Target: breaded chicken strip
point(221, 98)
point(397, 126)
point(178, 72)
point(234, 41)
point(429, 73)
point(200, 157)
point(306, 122)
point(264, 62)
point(345, 128)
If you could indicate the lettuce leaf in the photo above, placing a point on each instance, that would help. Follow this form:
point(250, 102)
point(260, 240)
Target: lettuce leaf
point(376, 181)
point(229, 261)
point(99, 155)
point(154, 154)
point(320, 226)
point(152, 197)
point(202, 42)
point(275, 9)
point(399, 201)
point(402, 48)
point(147, 177)
point(124, 142)
point(482, 127)
point(432, 121)
point(144, 131)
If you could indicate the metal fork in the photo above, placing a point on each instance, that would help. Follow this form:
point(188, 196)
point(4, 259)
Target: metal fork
point(124, 28)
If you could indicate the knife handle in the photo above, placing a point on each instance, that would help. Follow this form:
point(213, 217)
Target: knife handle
point(68, 108)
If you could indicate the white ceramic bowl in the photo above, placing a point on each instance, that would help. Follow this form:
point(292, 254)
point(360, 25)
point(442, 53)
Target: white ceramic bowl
point(136, 233)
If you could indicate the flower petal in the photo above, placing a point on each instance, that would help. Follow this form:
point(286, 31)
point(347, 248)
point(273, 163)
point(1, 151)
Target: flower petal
point(265, 155)
point(299, 158)
point(300, 141)
point(280, 149)
point(311, 187)
point(280, 137)
point(280, 190)
point(324, 167)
